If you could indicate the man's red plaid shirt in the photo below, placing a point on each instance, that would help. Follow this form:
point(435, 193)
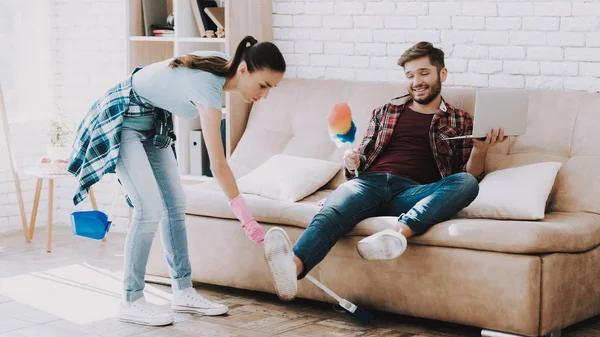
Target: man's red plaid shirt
point(451, 156)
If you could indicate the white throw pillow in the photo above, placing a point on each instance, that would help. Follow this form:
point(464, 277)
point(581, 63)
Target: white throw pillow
point(288, 178)
point(518, 193)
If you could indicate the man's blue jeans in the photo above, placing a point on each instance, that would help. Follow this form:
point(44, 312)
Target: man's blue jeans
point(380, 194)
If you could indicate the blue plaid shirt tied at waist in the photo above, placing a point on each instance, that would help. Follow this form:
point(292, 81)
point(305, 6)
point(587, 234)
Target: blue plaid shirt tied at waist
point(96, 146)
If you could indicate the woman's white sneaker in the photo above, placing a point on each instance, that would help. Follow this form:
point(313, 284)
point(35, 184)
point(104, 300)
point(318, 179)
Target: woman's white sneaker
point(280, 258)
point(142, 312)
point(188, 300)
point(387, 244)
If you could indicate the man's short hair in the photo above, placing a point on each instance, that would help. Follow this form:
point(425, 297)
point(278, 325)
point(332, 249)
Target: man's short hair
point(422, 49)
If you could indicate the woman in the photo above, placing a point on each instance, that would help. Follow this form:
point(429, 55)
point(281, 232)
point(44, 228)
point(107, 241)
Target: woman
point(129, 131)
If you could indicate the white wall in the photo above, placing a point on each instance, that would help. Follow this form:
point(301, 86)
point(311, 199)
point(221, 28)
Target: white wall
point(518, 44)
point(515, 44)
point(26, 80)
point(83, 55)
point(89, 48)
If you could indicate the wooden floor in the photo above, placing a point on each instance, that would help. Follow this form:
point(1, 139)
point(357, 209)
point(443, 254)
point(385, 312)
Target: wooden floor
point(75, 290)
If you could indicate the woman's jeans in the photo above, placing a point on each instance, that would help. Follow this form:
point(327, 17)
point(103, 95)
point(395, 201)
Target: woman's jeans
point(381, 194)
point(151, 179)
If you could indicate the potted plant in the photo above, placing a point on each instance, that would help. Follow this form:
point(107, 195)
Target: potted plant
point(58, 136)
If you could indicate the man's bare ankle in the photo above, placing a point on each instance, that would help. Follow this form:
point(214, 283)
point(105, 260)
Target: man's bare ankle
point(406, 231)
point(299, 265)
point(403, 229)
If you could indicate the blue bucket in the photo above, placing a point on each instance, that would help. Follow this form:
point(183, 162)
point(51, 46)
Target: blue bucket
point(90, 224)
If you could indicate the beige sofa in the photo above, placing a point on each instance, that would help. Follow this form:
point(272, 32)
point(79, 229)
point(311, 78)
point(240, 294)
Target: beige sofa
point(528, 278)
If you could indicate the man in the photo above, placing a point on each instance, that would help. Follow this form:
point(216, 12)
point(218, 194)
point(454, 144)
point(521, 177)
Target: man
point(406, 166)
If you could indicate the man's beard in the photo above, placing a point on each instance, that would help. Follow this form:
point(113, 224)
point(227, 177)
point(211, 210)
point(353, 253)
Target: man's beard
point(435, 91)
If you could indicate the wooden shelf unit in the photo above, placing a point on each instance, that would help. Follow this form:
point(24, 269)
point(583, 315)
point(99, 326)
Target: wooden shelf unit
point(242, 18)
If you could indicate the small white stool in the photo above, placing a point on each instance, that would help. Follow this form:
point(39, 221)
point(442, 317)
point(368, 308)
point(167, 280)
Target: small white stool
point(36, 172)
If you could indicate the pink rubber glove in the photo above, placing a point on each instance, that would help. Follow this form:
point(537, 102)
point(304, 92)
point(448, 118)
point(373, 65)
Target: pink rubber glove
point(254, 231)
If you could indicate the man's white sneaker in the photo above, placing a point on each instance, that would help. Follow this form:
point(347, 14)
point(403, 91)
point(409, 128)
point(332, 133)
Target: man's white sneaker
point(280, 258)
point(384, 245)
point(188, 300)
point(141, 312)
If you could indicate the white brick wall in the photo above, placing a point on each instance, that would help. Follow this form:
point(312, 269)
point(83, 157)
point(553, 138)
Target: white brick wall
point(81, 53)
point(25, 76)
point(88, 64)
point(503, 43)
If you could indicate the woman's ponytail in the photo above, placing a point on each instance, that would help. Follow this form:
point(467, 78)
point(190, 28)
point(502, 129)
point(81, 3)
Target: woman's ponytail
point(257, 56)
point(241, 49)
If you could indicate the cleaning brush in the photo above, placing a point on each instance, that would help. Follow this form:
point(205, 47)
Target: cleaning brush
point(363, 316)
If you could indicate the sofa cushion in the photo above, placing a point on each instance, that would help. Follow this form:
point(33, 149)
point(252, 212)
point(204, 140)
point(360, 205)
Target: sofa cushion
point(518, 193)
point(208, 201)
point(558, 232)
point(288, 178)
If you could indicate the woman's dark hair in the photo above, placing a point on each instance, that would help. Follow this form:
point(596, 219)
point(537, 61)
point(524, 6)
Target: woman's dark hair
point(257, 56)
